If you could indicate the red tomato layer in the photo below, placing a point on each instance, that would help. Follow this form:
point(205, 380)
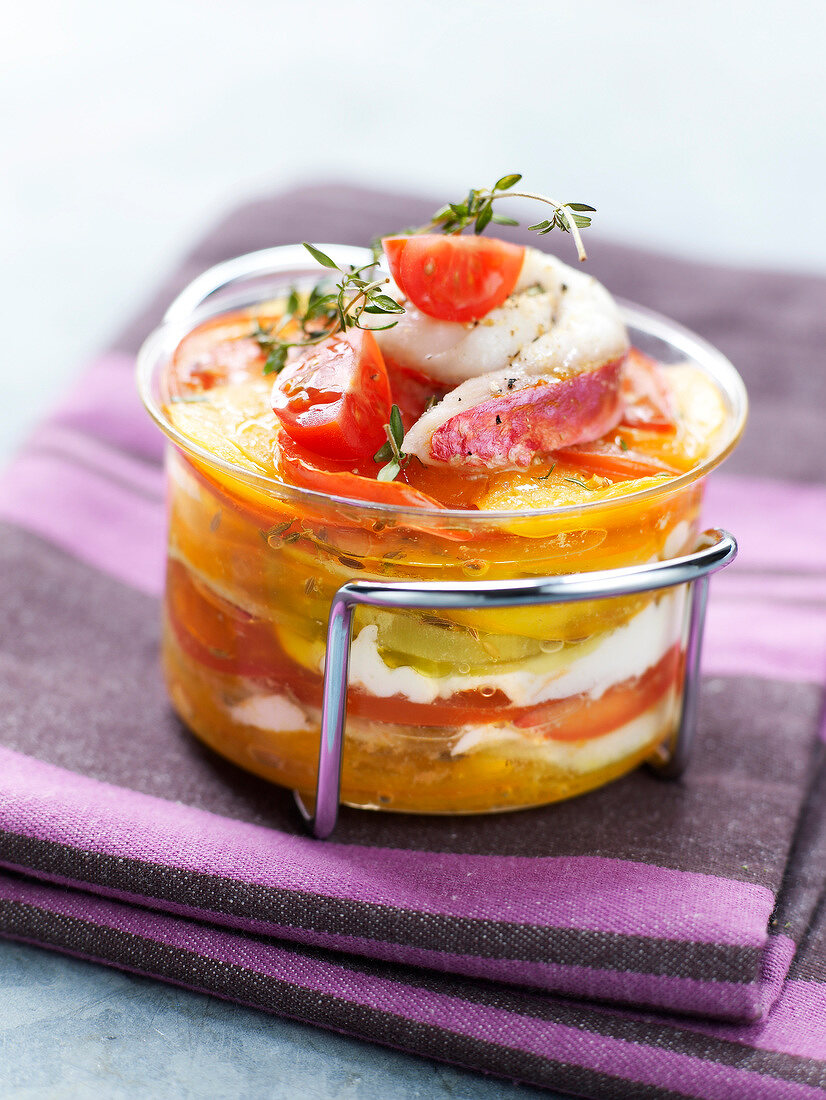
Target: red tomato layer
point(297, 467)
point(608, 459)
point(412, 391)
point(218, 351)
point(225, 638)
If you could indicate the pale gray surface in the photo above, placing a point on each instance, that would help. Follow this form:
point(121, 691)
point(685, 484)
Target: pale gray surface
point(69, 1029)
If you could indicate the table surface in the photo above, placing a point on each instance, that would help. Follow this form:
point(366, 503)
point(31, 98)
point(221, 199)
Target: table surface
point(74, 1029)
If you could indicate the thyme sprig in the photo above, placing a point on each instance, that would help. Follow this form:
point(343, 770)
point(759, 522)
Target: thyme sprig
point(358, 291)
point(392, 449)
point(327, 311)
point(477, 209)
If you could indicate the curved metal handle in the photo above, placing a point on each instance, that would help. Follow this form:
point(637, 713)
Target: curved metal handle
point(718, 548)
point(255, 265)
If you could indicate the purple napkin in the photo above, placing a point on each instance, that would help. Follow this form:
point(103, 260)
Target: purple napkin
point(702, 897)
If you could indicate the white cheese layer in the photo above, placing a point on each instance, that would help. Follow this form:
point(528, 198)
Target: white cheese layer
point(623, 653)
point(270, 712)
point(574, 756)
point(278, 714)
point(677, 541)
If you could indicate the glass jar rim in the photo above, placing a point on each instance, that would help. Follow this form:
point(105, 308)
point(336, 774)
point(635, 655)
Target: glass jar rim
point(192, 307)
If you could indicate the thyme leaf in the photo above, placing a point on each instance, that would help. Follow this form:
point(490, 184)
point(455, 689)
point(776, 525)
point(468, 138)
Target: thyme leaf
point(320, 256)
point(328, 310)
point(391, 452)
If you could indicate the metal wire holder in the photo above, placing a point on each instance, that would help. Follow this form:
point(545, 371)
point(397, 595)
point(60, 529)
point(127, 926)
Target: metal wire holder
point(716, 549)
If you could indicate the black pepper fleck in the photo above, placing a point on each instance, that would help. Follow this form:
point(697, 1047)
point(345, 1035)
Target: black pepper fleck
point(350, 562)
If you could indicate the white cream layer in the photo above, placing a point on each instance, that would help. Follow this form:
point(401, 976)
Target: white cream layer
point(623, 653)
point(270, 712)
point(574, 756)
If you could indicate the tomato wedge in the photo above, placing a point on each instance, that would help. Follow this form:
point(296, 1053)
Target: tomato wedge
point(302, 469)
point(335, 398)
point(454, 278)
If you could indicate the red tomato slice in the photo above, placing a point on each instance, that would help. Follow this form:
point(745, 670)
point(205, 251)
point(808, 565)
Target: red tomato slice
point(335, 398)
point(573, 719)
point(454, 278)
point(219, 634)
point(564, 720)
point(304, 470)
point(220, 350)
point(608, 459)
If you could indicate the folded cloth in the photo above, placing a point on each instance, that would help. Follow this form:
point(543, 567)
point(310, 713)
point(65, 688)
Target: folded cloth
point(701, 897)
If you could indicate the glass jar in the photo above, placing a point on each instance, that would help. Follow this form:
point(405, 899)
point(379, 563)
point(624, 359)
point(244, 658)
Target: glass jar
point(448, 711)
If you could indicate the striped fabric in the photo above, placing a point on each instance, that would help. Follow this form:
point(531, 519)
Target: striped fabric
point(683, 923)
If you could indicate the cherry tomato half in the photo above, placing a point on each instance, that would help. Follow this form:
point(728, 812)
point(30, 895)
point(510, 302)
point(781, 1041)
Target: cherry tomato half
point(335, 398)
point(218, 351)
point(454, 278)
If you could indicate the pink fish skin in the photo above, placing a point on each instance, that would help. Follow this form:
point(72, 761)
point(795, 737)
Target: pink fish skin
point(510, 430)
